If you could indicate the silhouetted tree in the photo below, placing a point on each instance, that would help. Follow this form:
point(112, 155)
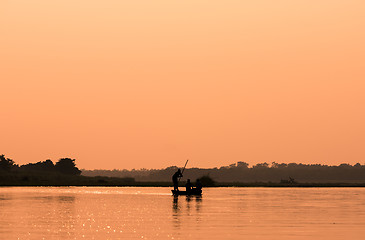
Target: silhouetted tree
point(207, 181)
point(274, 165)
point(67, 166)
point(292, 165)
point(242, 164)
point(345, 165)
point(48, 165)
point(261, 165)
point(6, 164)
point(357, 165)
point(45, 166)
point(233, 165)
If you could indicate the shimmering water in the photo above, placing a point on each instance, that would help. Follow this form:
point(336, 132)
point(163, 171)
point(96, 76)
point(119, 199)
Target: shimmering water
point(152, 213)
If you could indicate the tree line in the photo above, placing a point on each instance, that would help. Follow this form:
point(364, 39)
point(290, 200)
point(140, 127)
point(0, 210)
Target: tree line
point(64, 166)
point(243, 173)
point(46, 173)
point(240, 172)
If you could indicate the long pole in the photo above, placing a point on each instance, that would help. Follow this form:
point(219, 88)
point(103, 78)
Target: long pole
point(183, 168)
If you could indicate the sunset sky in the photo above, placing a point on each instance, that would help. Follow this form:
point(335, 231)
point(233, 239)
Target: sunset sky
point(150, 83)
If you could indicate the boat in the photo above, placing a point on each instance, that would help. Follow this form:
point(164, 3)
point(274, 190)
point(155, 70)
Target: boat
point(193, 192)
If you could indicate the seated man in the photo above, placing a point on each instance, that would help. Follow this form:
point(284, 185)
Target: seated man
point(188, 186)
point(198, 185)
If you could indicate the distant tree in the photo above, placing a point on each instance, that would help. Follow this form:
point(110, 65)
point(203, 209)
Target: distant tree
point(292, 165)
point(357, 165)
point(242, 164)
point(48, 165)
point(207, 181)
point(45, 166)
point(67, 166)
point(274, 165)
point(282, 165)
point(261, 165)
point(278, 165)
point(233, 165)
point(6, 164)
point(345, 165)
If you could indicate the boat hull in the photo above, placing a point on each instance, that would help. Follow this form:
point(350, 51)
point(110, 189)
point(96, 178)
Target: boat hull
point(193, 192)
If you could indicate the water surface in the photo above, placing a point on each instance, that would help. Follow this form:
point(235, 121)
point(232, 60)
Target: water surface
point(152, 213)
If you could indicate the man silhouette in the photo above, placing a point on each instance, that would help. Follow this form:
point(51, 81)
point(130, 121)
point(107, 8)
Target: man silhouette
point(175, 179)
point(198, 185)
point(188, 186)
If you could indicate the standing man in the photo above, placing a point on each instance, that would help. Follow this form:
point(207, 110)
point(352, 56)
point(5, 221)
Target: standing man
point(175, 179)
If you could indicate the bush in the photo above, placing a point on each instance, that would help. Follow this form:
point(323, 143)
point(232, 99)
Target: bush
point(207, 181)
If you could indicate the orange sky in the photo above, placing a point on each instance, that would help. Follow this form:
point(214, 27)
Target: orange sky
point(133, 84)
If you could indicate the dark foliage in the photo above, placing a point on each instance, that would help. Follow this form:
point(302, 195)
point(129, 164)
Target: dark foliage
point(242, 173)
point(45, 173)
point(64, 166)
point(6, 164)
point(65, 172)
point(45, 166)
point(67, 166)
point(207, 181)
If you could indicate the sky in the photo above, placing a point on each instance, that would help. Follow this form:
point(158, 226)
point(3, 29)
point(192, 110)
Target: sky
point(148, 84)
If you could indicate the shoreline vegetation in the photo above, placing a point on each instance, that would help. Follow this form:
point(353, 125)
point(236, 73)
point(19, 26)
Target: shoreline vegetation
point(65, 173)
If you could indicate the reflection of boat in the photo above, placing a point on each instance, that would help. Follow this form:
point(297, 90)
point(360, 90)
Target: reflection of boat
point(193, 191)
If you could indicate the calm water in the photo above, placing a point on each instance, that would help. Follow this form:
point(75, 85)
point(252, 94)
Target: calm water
point(152, 213)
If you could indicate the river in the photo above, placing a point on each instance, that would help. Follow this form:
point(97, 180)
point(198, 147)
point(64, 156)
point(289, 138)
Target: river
point(152, 213)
